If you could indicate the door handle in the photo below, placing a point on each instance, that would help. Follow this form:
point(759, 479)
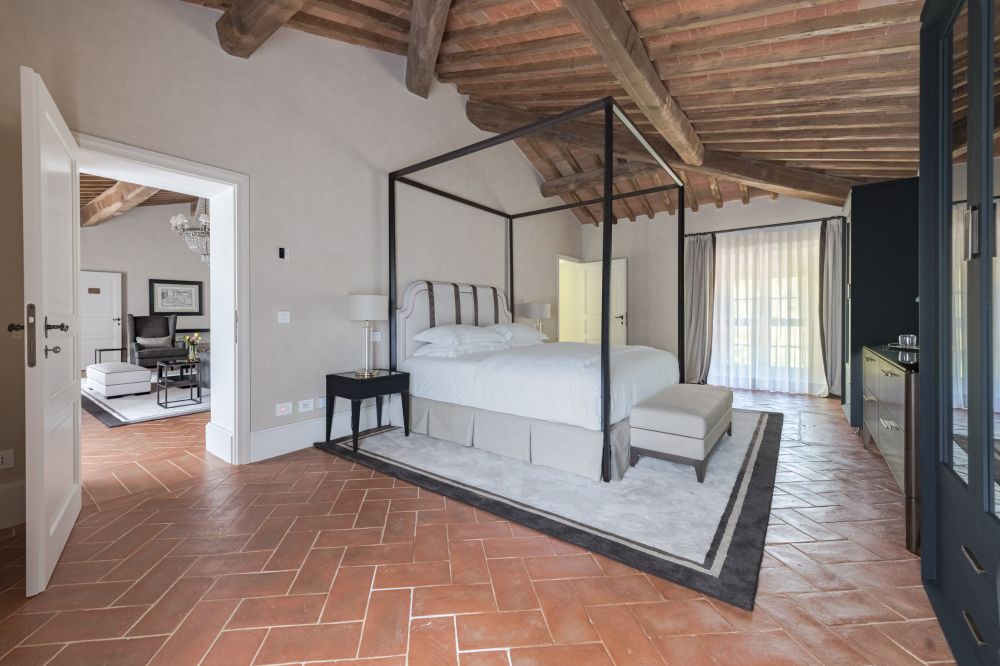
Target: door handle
point(970, 622)
point(620, 318)
point(117, 320)
point(970, 223)
point(14, 327)
point(54, 350)
point(55, 327)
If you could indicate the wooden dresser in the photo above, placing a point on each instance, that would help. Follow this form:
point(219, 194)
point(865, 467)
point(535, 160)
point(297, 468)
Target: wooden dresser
point(891, 421)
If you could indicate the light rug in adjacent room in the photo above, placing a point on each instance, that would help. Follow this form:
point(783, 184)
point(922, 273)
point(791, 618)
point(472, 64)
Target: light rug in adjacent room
point(707, 536)
point(128, 409)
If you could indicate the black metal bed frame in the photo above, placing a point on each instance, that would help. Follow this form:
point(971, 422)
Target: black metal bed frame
point(610, 110)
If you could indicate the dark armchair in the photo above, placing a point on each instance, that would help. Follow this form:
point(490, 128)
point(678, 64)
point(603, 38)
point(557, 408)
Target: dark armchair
point(158, 326)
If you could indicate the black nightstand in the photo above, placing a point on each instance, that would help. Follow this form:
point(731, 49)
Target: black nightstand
point(351, 387)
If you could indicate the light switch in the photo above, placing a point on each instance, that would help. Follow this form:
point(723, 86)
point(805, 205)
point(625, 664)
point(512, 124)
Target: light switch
point(283, 409)
point(284, 316)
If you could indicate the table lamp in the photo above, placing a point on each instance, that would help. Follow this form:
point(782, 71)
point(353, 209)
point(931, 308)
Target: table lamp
point(538, 312)
point(367, 308)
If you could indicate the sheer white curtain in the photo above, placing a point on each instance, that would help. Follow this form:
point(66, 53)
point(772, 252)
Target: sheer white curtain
point(766, 324)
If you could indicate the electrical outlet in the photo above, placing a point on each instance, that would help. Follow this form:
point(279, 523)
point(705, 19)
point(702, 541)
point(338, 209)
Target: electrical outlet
point(284, 316)
point(6, 459)
point(321, 402)
point(283, 409)
point(306, 405)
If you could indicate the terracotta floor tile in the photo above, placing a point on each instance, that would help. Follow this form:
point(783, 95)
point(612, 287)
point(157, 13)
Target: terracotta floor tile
point(266, 584)
point(92, 624)
point(430, 543)
point(277, 611)
point(593, 654)
point(310, 643)
point(172, 607)
point(387, 624)
point(415, 574)
point(318, 571)
point(836, 512)
point(496, 630)
point(235, 647)
point(348, 597)
point(31, 655)
point(679, 618)
point(511, 584)
point(848, 607)
point(453, 599)
point(623, 638)
point(775, 648)
point(118, 652)
point(432, 642)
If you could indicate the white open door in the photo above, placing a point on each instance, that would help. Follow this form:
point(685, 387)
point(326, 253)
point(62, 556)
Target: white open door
point(592, 301)
point(50, 176)
point(100, 316)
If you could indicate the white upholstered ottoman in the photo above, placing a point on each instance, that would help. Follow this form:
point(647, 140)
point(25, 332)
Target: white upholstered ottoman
point(115, 378)
point(682, 423)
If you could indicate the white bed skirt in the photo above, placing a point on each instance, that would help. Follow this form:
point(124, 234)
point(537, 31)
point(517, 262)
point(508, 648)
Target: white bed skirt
point(570, 448)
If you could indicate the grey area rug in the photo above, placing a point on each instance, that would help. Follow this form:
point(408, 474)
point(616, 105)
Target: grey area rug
point(127, 409)
point(658, 518)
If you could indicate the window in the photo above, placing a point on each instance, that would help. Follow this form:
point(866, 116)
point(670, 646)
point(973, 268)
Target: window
point(766, 325)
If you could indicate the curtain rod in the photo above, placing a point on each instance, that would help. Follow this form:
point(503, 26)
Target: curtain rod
point(768, 226)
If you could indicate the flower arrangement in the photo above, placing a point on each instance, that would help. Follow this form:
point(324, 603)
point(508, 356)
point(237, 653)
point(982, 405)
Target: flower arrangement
point(192, 341)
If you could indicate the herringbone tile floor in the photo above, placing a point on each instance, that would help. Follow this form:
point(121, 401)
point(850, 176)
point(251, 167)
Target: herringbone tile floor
point(180, 559)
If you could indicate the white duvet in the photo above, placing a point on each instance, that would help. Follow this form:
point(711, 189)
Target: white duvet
point(558, 382)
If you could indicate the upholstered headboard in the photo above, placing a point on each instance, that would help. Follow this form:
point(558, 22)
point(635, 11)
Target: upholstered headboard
point(426, 304)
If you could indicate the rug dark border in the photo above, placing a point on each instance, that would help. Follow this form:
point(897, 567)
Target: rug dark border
point(737, 581)
point(93, 408)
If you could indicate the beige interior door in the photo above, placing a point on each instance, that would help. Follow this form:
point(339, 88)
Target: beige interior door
point(100, 316)
point(592, 301)
point(51, 201)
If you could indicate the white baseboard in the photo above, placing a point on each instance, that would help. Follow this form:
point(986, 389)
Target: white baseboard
point(219, 442)
point(280, 440)
point(11, 503)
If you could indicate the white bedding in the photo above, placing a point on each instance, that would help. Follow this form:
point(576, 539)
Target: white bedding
point(558, 382)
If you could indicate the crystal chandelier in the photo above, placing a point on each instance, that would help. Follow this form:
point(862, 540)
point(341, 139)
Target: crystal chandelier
point(195, 233)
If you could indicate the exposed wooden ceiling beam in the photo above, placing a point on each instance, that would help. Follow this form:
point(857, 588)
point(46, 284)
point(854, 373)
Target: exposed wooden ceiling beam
point(616, 39)
point(115, 200)
point(689, 194)
point(755, 173)
point(248, 23)
point(744, 194)
point(427, 19)
point(713, 183)
point(578, 181)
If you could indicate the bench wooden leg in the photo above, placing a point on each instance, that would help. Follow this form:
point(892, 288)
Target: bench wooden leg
point(699, 470)
point(633, 457)
point(729, 430)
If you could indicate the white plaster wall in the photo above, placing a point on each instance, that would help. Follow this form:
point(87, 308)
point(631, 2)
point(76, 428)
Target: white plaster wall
point(651, 248)
point(141, 244)
point(316, 125)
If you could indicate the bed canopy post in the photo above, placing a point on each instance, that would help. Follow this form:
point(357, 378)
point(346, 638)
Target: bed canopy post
point(510, 265)
point(609, 159)
point(681, 324)
point(392, 272)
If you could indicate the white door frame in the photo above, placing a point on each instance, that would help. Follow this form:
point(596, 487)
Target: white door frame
point(227, 437)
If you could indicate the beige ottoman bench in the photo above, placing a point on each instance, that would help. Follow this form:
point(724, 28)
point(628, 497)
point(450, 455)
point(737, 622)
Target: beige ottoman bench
point(114, 379)
point(682, 423)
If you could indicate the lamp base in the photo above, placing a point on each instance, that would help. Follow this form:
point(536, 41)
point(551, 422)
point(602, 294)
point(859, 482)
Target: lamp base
point(365, 374)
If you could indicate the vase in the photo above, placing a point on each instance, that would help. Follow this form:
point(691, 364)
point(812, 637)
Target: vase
point(192, 353)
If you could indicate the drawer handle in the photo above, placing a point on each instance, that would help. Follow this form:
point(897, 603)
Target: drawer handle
point(970, 622)
point(973, 560)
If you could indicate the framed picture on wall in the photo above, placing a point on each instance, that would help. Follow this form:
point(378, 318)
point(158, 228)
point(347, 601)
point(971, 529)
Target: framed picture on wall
point(179, 297)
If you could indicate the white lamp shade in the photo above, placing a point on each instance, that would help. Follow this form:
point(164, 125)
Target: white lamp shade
point(537, 310)
point(367, 307)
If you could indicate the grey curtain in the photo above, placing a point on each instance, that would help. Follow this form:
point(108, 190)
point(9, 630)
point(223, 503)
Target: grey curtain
point(831, 281)
point(699, 304)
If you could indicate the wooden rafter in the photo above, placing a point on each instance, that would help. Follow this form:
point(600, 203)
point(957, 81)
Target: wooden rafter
point(756, 173)
point(115, 200)
point(616, 39)
point(427, 19)
point(713, 183)
point(744, 194)
point(248, 23)
point(689, 194)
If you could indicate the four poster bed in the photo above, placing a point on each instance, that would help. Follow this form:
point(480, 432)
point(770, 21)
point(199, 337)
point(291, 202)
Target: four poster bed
point(564, 405)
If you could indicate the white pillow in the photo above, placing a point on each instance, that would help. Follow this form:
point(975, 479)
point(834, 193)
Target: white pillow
point(518, 332)
point(454, 351)
point(524, 342)
point(457, 334)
